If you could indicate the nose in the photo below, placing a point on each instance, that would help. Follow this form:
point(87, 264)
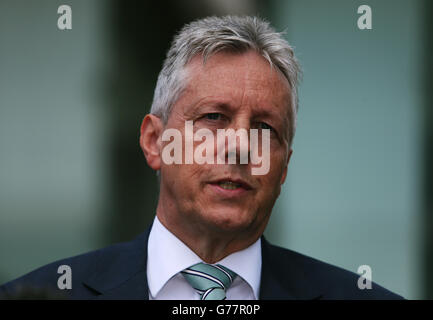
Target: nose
point(234, 143)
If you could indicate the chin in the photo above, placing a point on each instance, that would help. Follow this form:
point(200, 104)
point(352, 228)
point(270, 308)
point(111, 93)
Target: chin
point(229, 220)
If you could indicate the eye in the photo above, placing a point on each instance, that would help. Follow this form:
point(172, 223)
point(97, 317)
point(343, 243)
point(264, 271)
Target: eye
point(213, 116)
point(264, 125)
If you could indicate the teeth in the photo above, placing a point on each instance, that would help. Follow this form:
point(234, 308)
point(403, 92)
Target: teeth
point(229, 185)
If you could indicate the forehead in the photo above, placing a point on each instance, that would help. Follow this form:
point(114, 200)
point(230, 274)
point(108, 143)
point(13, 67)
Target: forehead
point(238, 78)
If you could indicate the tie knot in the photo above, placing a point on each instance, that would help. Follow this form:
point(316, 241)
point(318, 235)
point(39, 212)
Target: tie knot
point(210, 281)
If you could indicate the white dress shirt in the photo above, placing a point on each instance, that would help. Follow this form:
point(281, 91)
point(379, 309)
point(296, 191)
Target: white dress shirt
point(167, 255)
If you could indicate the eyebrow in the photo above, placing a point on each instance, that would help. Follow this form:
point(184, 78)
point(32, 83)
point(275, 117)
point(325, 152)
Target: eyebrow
point(215, 104)
point(226, 106)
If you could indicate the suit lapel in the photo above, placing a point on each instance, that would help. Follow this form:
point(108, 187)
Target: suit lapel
point(283, 278)
point(122, 274)
point(135, 288)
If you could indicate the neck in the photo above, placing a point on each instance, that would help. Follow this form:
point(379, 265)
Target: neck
point(208, 242)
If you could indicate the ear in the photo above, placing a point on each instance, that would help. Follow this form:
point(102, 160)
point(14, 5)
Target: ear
point(284, 175)
point(150, 140)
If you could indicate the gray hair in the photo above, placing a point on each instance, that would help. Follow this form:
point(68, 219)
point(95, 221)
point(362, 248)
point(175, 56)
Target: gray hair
point(229, 33)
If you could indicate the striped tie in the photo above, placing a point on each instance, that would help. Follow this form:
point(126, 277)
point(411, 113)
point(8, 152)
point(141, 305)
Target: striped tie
point(210, 281)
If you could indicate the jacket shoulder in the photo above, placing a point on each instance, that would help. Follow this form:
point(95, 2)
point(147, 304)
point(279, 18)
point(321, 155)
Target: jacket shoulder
point(42, 283)
point(331, 281)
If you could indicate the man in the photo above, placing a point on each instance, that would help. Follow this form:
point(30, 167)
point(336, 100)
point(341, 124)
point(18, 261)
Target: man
point(220, 74)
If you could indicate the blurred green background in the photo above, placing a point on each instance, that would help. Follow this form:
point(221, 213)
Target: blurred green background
point(359, 189)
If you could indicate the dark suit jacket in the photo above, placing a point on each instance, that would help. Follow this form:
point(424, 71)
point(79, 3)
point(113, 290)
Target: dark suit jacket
point(119, 272)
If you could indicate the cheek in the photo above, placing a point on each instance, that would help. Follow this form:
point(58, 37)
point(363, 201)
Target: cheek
point(278, 158)
point(273, 179)
point(183, 178)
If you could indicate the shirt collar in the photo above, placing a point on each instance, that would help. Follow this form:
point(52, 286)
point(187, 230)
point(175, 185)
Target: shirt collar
point(168, 255)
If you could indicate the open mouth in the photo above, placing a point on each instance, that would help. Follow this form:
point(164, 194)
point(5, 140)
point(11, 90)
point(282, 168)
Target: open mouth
point(228, 184)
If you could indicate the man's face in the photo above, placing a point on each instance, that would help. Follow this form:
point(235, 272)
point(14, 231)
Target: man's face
point(229, 91)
